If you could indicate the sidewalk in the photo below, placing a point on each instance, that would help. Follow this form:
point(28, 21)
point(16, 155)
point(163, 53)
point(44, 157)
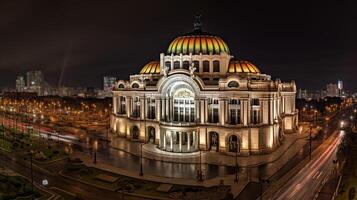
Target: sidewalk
point(290, 146)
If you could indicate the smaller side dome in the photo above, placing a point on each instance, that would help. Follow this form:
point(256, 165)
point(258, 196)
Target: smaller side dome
point(242, 66)
point(152, 67)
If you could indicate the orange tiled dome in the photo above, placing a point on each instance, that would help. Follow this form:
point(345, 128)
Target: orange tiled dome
point(242, 66)
point(152, 67)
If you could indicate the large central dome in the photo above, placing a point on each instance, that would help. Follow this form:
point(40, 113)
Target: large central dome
point(197, 42)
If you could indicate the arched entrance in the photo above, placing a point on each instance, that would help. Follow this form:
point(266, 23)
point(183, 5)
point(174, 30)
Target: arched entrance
point(213, 141)
point(135, 133)
point(151, 135)
point(233, 144)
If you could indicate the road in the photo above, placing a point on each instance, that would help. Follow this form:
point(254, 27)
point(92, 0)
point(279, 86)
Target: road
point(252, 190)
point(309, 180)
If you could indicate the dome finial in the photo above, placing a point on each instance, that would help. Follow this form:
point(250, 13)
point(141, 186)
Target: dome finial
point(197, 26)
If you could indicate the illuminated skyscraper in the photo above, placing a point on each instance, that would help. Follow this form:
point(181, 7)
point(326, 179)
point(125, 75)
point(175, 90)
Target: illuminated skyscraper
point(20, 84)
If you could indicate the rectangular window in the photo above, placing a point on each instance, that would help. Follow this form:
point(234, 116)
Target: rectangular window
point(216, 66)
point(205, 66)
point(181, 115)
point(187, 114)
point(215, 115)
point(238, 116)
point(196, 64)
point(192, 118)
point(176, 113)
point(233, 116)
point(255, 102)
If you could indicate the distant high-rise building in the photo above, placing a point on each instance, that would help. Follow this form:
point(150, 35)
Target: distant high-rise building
point(34, 78)
point(35, 81)
point(340, 88)
point(302, 94)
point(108, 84)
point(20, 84)
point(332, 90)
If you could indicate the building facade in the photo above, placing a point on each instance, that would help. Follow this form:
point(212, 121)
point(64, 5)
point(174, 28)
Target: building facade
point(332, 90)
point(20, 84)
point(34, 81)
point(198, 96)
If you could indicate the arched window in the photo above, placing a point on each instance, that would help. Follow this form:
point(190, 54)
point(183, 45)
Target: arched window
point(206, 66)
point(135, 85)
point(135, 133)
point(168, 64)
point(233, 144)
point(233, 84)
point(177, 65)
point(216, 66)
point(122, 107)
point(186, 64)
point(184, 107)
point(121, 86)
point(196, 64)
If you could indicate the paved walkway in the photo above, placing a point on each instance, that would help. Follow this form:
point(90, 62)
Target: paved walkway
point(236, 188)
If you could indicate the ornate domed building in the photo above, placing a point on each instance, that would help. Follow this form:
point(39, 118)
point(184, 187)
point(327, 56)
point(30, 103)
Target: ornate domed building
point(198, 96)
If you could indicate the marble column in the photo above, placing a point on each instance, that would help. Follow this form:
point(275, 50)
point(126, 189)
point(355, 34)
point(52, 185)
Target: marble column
point(180, 141)
point(197, 113)
point(142, 107)
point(158, 109)
point(221, 111)
point(172, 140)
point(171, 109)
point(188, 141)
point(226, 111)
point(128, 106)
point(167, 109)
point(202, 111)
point(164, 139)
point(115, 105)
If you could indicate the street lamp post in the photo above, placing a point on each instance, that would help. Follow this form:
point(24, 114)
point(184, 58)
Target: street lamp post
point(262, 181)
point(141, 160)
point(31, 169)
point(355, 118)
point(237, 167)
point(95, 147)
point(199, 172)
point(310, 138)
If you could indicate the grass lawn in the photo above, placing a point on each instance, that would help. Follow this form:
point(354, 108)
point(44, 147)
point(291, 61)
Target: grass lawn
point(12, 187)
point(53, 154)
point(4, 144)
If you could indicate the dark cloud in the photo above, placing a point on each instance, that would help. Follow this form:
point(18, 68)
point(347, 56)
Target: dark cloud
point(77, 42)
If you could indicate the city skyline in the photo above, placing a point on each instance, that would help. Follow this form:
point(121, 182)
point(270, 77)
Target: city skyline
point(74, 48)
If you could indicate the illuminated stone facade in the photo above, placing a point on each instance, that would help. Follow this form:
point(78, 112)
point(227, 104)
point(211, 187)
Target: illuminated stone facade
point(198, 96)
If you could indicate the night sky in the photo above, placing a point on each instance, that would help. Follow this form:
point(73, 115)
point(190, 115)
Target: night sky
point(76, 42)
